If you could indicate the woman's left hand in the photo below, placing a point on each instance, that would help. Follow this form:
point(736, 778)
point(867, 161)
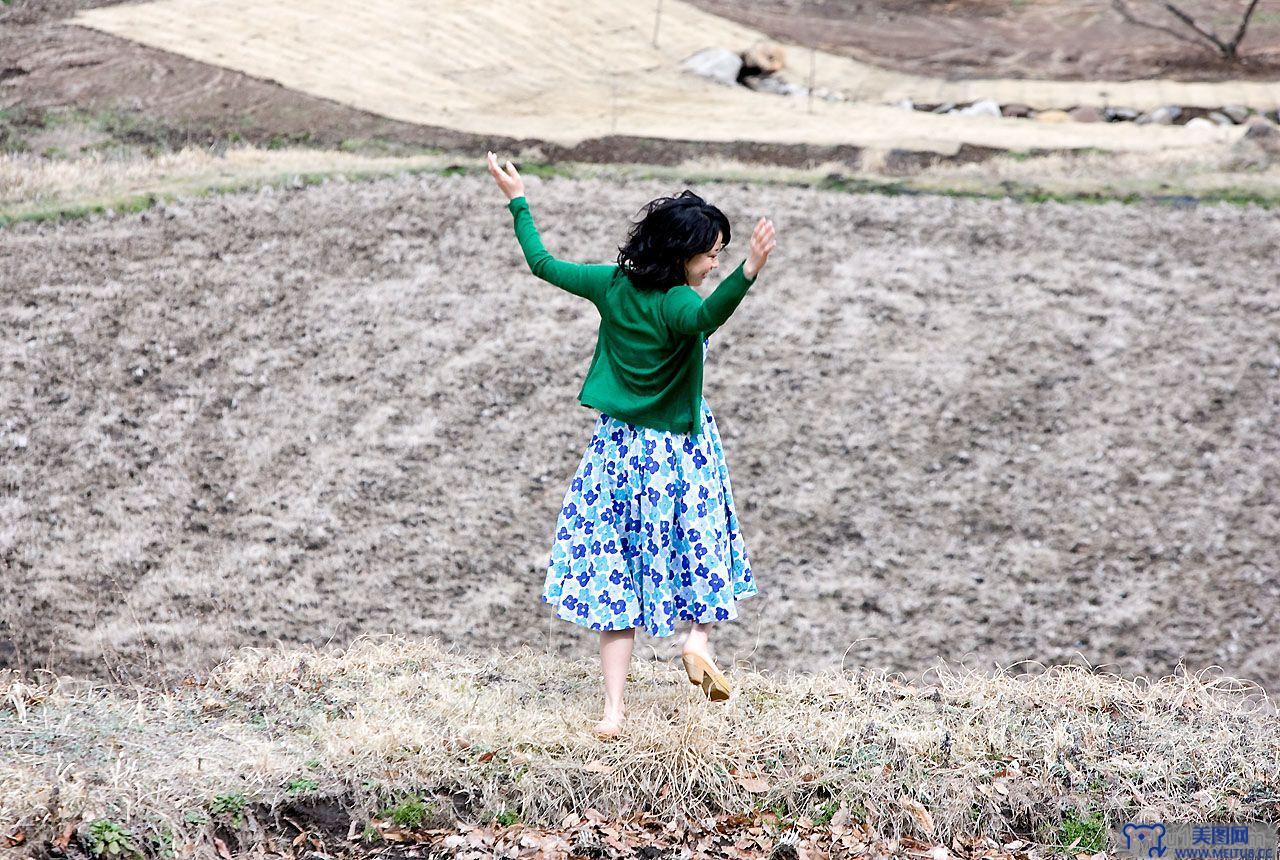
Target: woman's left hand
point(762, 244)
point(508, 179)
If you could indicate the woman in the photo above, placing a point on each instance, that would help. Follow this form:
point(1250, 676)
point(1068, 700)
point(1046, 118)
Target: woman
point(647, 534)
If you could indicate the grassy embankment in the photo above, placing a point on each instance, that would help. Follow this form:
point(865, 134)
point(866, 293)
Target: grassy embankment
point(398, 733)
point(115, 164)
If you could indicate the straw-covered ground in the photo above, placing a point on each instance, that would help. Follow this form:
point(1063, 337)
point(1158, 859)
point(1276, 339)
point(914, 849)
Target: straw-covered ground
point(970, 430)
point(97, 171)
point(406, 743)
point(979, 430)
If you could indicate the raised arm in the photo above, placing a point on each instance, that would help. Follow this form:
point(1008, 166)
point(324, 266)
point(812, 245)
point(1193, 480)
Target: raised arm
point(582, 279)
point(686, 312)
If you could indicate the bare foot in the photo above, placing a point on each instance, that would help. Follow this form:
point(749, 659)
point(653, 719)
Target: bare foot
point(610, 726)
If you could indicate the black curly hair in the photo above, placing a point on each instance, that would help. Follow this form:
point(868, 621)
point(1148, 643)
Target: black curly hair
point(673, 230)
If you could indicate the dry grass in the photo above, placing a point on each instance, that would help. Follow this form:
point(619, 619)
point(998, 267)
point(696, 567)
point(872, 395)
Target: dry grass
point(387, 718)
point(32, 186)
point(35, 187)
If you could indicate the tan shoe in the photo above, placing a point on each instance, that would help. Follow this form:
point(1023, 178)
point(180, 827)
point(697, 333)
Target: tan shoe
point(704, 672)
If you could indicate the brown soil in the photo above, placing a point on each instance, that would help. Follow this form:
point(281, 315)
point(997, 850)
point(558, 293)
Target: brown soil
point(977, 430)
point(1046, 39)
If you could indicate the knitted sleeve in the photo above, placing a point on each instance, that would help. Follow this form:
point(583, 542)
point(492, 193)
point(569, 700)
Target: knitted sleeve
point(685, 312)
point(582, 279)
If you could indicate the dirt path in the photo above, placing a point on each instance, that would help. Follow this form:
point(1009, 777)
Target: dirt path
point(979, 430)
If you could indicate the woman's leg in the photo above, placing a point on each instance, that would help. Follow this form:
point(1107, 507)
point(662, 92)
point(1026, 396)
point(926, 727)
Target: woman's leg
point(697, 640)
point(615, 659)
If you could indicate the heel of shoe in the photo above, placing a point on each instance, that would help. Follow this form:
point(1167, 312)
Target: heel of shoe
point(692, 669)
point(714, 689)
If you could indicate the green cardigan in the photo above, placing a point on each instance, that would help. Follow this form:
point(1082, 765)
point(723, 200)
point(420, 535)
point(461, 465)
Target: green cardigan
point(647, 366)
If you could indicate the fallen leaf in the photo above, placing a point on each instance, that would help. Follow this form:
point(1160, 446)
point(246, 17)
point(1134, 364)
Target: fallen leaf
point(754, 784)
point(918, 812)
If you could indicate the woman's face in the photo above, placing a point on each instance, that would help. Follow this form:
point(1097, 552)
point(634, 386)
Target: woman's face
point(697, 267)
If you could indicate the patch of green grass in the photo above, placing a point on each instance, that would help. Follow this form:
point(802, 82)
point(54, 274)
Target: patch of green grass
point(381, 147)
point(162, 843)
point(546, 171)
point(230, 805)
point(824, 812)
point(197, 817)
point(506, 818)
point(300, 784)
point(108, 839)
point(14, 122)
point(1079, 833)
point(782, 811)
point(284, 141)
point(409, 812)
point(371, 834)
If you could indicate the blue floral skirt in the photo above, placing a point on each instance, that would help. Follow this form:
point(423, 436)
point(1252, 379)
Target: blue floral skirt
point(647, 535)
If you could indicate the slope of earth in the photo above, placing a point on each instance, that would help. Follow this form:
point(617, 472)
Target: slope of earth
point(166, 96)
point(1080, 40)
point(970, 429)
point(571, 71)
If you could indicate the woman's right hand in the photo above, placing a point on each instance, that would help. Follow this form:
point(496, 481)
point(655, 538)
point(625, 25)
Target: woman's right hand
point(508, 180)
point(762, 242)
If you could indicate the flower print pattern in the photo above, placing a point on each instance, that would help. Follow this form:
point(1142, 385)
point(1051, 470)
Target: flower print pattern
point(647, 535)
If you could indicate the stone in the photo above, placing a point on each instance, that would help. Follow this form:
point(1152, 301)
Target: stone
point(984, 107)
point(1160, 116)
point(1120, 114)
point(1260, 127)
point(905, 104)
point(718, 64)
point(1052, 116)
point(1259, 148)
point(945, 107)
point(774, 84)
point(1201, 122)
point(1018, 110)
point(1238, 113)
point(1085, 113)
point(1220, 118)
